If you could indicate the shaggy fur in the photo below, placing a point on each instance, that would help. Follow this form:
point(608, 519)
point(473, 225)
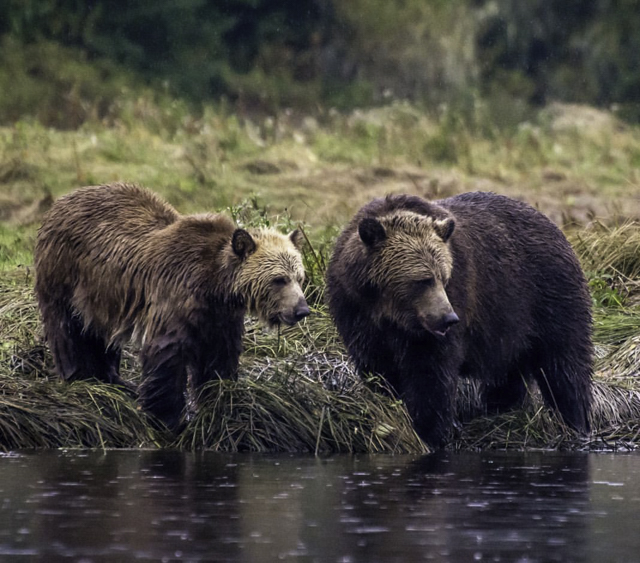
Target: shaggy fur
point(477, 285)
point(115, 263)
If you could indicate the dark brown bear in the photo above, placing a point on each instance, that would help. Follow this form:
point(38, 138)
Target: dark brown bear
point(477, 285)
point(115, 263)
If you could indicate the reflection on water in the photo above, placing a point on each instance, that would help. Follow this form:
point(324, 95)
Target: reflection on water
point(161, 505)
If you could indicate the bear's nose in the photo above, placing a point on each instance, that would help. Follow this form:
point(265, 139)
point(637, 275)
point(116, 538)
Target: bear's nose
point(449, 320)
point(301, 312)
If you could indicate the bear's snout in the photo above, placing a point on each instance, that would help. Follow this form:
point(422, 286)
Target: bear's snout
point(297, 313)
point(439, 324)
point(445, 323)
point(435, 313)
point(301, 311)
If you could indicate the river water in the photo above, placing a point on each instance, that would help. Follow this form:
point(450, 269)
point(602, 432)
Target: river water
point(174, 506)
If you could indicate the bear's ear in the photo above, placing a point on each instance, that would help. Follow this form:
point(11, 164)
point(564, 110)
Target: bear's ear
point(242, 243)
point(371, 231)
point(297, 238)
point(444, 228)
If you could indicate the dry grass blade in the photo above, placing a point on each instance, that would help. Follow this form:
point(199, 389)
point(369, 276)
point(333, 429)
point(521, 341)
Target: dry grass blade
point(622, 364)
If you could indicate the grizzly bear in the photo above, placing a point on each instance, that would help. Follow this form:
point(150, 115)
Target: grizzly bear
point(475, 286)
point(115, 263)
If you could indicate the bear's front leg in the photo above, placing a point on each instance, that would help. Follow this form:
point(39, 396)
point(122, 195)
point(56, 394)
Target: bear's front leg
point(216, 348)
point(162, 392)
point(430, 401)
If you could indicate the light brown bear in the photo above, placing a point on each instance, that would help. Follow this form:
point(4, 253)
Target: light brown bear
point(477, 285)
point(115, 263)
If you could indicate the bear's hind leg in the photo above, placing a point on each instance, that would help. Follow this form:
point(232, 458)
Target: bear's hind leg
point(566, 388)
point(61, 332)
point(505, 395)
point(79, 354)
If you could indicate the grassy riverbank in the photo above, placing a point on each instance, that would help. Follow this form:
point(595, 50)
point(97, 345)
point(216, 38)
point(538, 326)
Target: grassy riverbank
point(297, 390)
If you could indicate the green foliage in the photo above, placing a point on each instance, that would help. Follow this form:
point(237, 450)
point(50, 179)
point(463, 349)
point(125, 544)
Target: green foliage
point(571, 50)
point(603, 291)
point(56, 85)
point(268, 54)
point(16, 247)
point(196, 46)
point(404, 49)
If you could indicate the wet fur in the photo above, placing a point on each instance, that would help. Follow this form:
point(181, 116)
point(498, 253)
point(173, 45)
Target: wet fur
point(515, 283)
point(115, 263)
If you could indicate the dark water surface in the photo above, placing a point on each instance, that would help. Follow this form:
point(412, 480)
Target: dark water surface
point(172, 506)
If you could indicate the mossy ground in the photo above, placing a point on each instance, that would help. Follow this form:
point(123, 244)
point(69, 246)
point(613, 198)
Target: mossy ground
point(297, 391)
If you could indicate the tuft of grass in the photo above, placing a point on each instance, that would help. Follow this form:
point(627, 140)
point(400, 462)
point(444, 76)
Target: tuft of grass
point(611, 257)
point(50, 414)
point(615, 422)
point(288, 407)
point(613, 327)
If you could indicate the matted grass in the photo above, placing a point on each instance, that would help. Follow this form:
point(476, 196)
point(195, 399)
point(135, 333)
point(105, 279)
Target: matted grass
point(289, 407)
point(47, 414)
point(298, 392)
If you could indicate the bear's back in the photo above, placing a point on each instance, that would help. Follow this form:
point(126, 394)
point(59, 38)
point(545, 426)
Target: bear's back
point(512, 235)
point(95, 222)
point(125, 207)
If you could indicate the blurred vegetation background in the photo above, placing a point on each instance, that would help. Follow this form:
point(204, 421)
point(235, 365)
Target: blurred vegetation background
point(64, 60)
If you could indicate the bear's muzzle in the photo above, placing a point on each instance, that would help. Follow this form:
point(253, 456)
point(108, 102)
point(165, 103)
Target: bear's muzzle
point(299, 312)
point(445, 323)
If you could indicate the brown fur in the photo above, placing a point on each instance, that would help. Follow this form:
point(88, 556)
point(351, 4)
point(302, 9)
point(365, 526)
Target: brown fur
point(115, 263)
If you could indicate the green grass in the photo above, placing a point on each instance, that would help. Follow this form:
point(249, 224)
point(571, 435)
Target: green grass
point(313, 166)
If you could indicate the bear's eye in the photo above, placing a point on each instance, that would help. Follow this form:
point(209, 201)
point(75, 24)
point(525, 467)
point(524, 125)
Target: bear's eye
point(425, 282)
point(280, 281)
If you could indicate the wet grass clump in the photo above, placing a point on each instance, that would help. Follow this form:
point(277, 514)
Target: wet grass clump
point(293, 408)
point(46, 414)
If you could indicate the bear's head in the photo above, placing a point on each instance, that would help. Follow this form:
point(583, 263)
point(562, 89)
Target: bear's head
point(270, 274)
point(409, 265)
